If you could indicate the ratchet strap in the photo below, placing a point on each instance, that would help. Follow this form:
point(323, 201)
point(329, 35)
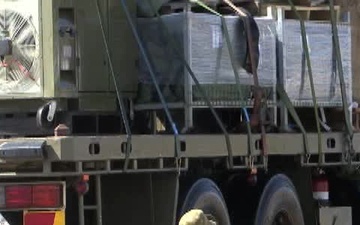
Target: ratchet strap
point(287, 102)
point(247, 19)
point(198, 85)
point(308, 61)
point(335, 38)
point(256, 119)
point(237, 78)
point(144, 53)
point(118, 92)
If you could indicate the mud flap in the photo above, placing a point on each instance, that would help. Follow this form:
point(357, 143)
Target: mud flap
point(335, 216)
point(44, 218)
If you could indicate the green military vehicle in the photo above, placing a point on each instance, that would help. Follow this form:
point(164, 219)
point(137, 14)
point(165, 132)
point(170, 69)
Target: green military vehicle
point(136, 112)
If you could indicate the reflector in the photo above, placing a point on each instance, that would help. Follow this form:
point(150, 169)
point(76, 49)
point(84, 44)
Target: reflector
point(42, 218)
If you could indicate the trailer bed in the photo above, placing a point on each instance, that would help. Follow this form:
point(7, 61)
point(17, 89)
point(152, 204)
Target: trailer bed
point(65, 156)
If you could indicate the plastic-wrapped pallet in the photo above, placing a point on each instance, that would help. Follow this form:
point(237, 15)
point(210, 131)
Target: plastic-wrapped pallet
point(322, 56)
point(203, 43)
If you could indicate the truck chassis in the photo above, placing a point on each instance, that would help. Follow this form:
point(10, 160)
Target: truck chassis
point(157, 178)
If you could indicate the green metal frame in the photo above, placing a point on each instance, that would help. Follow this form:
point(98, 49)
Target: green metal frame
point(159, 147)
point(155, 153)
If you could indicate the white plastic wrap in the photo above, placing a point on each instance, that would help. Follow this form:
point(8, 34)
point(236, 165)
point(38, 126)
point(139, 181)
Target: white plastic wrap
point(203, 43)
point(322, 56)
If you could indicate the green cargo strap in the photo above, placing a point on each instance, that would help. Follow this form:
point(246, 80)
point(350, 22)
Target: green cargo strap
point(307, 55)
point(230, 49)
point(336, 44)
point(148, 63)
point(236, 73)
point(287, 102)
point(118, 92)
point(203, 93)
point(237, 79)
point(245, 19)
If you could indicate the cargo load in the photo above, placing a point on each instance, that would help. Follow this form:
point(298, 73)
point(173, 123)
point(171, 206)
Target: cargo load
point(204, 46)
point(323, 63)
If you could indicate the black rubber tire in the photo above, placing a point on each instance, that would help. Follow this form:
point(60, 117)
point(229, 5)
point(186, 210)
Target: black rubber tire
point(279, 196)
point(205, 195)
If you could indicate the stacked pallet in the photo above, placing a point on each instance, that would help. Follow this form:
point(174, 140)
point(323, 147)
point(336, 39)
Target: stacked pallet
point(293, 69)
point(307, 11)
point(201, 41)
point(145, 8)
point(354, 8)
point(206, 51)
point(208, 56)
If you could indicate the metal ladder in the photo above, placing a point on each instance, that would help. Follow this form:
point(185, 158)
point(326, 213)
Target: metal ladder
point(97, 207)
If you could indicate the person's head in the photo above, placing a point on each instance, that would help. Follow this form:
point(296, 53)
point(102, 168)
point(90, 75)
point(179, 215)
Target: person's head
point(195, 217)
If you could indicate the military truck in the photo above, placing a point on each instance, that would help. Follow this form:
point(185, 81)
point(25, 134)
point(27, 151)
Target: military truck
point(129, 112)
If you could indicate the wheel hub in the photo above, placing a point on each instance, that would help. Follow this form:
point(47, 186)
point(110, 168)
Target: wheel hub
point(282, 218)
point(5, 47)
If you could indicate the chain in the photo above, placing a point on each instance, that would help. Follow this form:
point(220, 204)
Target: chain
point(265, 163)
point(178, 165)
point(251, 162)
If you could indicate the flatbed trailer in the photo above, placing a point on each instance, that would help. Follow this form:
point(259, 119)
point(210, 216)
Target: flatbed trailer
point(153, 164)
point(151, 153)
point(136, 178)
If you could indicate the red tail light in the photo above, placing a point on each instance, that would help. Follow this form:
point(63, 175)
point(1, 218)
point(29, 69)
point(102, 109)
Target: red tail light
point(18, 196)
point(31, 196)
point(46, 196)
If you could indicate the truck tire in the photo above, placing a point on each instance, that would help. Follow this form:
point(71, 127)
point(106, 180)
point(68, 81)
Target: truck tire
point(206, 196)
point(279, 204)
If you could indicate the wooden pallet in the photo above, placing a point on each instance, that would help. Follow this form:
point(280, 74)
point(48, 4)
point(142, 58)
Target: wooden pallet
point(301, 2)
point(308, 2)
point(319, 13)
point(218, 5)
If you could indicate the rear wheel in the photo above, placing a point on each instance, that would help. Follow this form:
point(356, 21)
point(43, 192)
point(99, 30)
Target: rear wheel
point(279, 204)
point(206, 196)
